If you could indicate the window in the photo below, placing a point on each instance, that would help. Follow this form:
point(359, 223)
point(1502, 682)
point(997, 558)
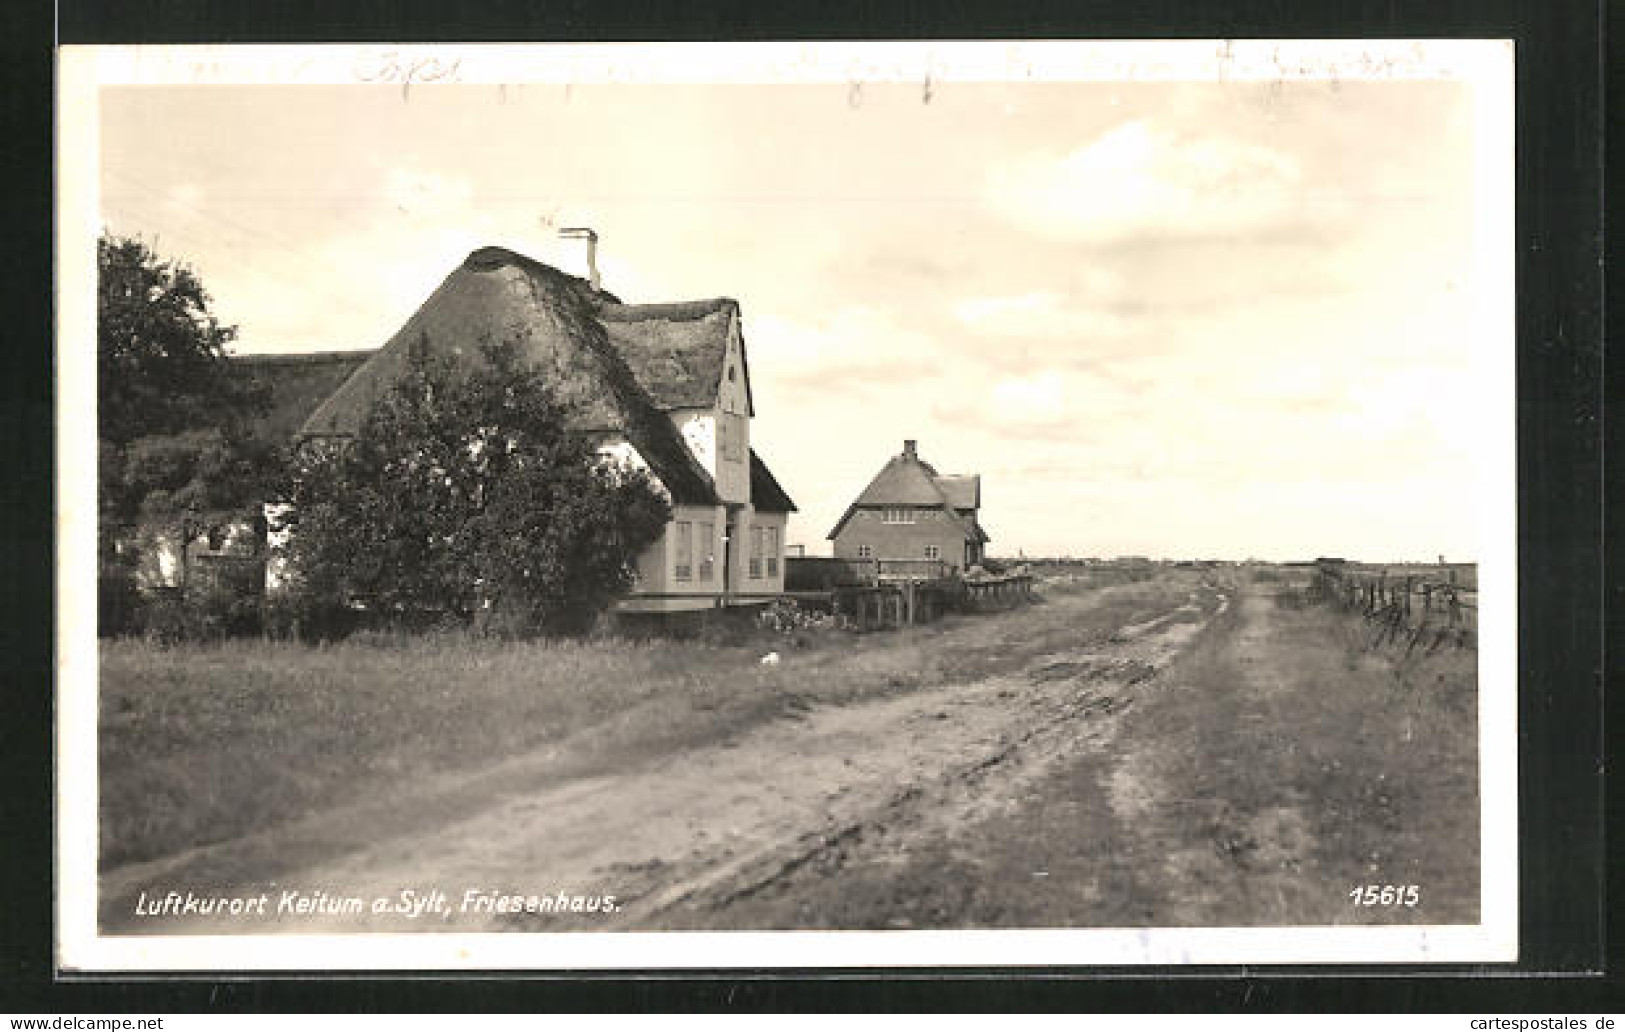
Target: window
point(755, 552)
point(865, 552)
point(933, 552)
point(685, 551)
point(899, 515)
point(772, 551)
point(707, 541)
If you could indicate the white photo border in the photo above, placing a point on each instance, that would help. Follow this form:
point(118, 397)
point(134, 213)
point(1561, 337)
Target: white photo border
point(1485, 65)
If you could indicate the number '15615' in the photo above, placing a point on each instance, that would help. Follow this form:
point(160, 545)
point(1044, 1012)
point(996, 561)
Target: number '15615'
point(1385, 895)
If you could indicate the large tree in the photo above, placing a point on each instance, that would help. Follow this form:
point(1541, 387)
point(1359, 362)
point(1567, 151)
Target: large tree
point(161, 365)
point(467, 493)
point(175, 451)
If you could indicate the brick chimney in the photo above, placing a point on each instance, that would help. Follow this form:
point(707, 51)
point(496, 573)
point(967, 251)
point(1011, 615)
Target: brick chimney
point(908, 448)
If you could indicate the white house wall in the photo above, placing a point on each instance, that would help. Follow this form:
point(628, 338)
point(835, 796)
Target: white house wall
point(744, 587)
point(658, 588)
point(733, 394)
point(699, 430)
point(733, 406)
point(621, 452)
point(705, 429)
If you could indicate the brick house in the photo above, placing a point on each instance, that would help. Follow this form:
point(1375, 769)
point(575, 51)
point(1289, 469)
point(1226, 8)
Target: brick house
point(910, 511)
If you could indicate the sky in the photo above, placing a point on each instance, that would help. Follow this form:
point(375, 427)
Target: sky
point(1178, 319)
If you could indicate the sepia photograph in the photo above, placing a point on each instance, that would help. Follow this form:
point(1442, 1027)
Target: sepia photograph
point(822, 505)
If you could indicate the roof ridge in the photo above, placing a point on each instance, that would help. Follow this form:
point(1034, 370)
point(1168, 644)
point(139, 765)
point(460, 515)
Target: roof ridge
point(684, 310)
point(299, 357)
point(492, 256)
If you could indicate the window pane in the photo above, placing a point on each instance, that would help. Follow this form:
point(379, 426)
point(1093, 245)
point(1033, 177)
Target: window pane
point(685, 551)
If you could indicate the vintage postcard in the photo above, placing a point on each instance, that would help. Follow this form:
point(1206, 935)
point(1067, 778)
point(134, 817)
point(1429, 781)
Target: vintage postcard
point(677, 506)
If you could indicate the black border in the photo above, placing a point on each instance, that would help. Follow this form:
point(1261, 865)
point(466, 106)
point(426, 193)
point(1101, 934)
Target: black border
point(1561, 405)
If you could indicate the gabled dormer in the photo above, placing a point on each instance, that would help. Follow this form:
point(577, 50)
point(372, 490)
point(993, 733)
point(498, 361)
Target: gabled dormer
point(690, 359)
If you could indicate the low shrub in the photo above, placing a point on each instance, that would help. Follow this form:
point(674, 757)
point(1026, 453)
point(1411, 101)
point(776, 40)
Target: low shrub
point(118, 604)
point(786, 616)
point(291, 618)
point(168, 616)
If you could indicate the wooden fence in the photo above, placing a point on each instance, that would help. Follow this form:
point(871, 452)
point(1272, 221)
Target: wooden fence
point(821, 573)
point(1420, 610)
point(991, 593)
point(903, 603)
point(878, 594)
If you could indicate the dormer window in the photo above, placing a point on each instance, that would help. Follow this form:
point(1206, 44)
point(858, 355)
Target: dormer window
point(899, 515)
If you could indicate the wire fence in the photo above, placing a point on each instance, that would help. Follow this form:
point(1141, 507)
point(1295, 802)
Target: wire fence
point(1420, 610)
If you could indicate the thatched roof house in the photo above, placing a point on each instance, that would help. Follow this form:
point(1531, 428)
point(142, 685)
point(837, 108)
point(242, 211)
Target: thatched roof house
point(664, 386)
point(298, 383)
point(910, 511)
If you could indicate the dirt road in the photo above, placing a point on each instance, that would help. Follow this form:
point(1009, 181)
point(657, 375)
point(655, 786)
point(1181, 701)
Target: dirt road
point(681, 837)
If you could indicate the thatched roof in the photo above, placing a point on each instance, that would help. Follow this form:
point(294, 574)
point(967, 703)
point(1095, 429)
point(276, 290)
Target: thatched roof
point(908, 480)
point(298, 385)
point(963, 490)
point(499, 296)
point(902, 481)
point(617, 368)
point(765, 493)
point(676, 351)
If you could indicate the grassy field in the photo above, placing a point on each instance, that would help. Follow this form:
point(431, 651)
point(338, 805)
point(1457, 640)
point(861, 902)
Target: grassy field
point(202, 744)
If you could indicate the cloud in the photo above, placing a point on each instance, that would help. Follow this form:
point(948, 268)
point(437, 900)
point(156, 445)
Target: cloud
point(1136, 178)
point(1039, 399)
point(850, 349)
point(979, 310)
point(1048, 405)
point(1043, 314)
